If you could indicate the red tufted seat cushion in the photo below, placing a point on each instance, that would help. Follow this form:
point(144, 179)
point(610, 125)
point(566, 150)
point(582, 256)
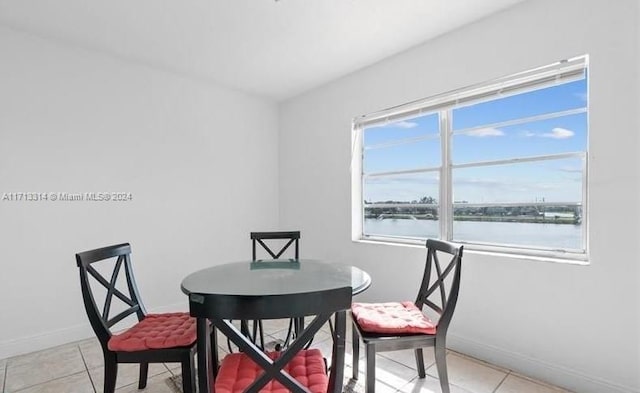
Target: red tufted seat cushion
point(238, 371)
point(392, 318)
point(156, 331)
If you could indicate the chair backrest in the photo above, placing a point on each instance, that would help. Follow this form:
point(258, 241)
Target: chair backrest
point(220, 309)
point(99, 317)
point(293, 237)
point(438, 291)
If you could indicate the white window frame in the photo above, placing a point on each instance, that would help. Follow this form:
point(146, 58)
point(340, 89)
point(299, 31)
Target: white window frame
point(443, 104)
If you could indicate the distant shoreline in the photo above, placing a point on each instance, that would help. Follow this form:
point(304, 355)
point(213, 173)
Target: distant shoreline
point(522, 219)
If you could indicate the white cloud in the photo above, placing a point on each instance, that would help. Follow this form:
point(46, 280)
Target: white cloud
point(482, 182)
point(404, 179)
point(582, 96)
point(558, 133)
point(404, 124)
point(485, 132)
point(570, 170)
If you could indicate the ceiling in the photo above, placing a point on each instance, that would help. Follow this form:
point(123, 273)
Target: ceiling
point(276, 49)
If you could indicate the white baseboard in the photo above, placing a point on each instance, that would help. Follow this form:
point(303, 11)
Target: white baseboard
point(44, 340)
point(48, 339)
point(535, 368)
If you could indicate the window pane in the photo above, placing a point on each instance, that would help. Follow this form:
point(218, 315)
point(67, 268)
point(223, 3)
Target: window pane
point(402, 205)
point(538, 181)
point(534, 204)
point(559, 135)
point(401, 227)
point(406, 188)
point(521, 234)
point(422, 154)
point(551, 99)
point(405, 129)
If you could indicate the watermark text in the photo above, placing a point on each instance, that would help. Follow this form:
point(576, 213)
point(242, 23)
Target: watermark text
point(59, 196)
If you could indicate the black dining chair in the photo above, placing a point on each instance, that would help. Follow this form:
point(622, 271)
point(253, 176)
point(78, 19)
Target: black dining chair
point(394, 326)
point(155, 338)
point(268, 241)
point(295, 368)
point(291, 238)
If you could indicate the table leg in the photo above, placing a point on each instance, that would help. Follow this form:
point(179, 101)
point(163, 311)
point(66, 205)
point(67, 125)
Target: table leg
point(205, 368)
point(337, 368)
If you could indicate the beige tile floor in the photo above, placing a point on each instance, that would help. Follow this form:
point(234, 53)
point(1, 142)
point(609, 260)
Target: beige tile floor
point(77, 368)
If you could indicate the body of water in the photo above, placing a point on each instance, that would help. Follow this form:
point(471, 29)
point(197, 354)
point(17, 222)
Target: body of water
point(561, 236)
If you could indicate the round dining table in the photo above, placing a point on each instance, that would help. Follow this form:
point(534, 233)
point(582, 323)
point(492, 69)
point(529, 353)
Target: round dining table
point(270, 289)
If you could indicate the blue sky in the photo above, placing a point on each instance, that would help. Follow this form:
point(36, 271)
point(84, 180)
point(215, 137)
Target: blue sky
point(555, 181)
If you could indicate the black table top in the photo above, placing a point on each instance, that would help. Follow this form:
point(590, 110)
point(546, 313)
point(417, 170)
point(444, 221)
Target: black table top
point(265, 278)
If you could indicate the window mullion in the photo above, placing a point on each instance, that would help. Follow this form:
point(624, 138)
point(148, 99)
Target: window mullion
point(585, 201)
point(357, 182)
point(446, 209)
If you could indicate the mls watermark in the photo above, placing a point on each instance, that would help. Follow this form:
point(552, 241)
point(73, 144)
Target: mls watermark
point(66, 197)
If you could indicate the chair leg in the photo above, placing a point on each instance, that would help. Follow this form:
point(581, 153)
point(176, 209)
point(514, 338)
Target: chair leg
point(213, 338)
point(257, 333)
point(261, 331)
point(189, 374)
point(144, 371)
point(289, 336)
point(420, 363)
point(110, 373)
point(441, 364)
point(370, 384)
point(355, 350)
point(299, 326)
point(244, 328)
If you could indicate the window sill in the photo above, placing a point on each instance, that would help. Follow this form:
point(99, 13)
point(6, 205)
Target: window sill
point(541, 256)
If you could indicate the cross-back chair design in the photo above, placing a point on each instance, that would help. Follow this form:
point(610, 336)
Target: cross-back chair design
point(293, 237)
point(262, 239)
point(295, 368)
point(377, 324)
point(156, 338)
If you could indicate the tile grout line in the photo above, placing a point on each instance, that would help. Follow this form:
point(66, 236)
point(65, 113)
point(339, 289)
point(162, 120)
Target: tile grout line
point(87, 369)
point(4, 381)
point(399, 390)
point(45, 382)
point(501, 382)
point(480, 361)
point(540, 383)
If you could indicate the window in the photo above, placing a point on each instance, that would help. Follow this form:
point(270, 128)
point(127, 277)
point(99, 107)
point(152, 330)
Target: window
point(500, 166)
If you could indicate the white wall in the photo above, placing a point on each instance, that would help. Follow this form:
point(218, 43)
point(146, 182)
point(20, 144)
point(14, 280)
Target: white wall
point(576, 326)
point(198, 159)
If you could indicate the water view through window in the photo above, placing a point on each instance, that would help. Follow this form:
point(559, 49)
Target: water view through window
point(548, 235)
point(514, 171)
